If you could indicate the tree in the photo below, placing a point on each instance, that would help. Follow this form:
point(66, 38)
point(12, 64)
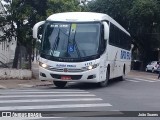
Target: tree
point(23, 14)
point(143, 16)
point(57, 6)
point(117, 9)
point(139, 17)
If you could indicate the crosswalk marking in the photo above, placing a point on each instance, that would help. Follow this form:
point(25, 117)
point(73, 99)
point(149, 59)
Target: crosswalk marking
point(144, 80)
point(55, 100)
point(141, 80)
point(46, 92)
point(50, 100)
point(28, 107)
point(59, 95)
point(42, 90)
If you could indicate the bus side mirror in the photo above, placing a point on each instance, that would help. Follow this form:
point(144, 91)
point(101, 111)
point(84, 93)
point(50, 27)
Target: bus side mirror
point(35, 29)
point(40, 37)
point(106, 31)
point(132, 46)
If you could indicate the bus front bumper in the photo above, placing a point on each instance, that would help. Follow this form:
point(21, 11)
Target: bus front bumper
point(90, 76)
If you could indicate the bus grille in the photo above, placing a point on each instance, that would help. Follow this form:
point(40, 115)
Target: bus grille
point(68, 70)
point(73, 77)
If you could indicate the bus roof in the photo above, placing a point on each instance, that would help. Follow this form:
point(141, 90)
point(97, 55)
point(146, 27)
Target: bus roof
point(83, 17)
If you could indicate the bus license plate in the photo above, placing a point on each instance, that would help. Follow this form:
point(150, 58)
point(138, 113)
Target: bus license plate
point(65, 77)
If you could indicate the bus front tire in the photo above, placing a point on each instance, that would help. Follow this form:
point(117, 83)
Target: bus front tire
point(105, 83)
point(60, 84)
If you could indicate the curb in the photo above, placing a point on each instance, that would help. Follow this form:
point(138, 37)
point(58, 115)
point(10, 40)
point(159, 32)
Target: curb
point(2, 87)
point(25, 85)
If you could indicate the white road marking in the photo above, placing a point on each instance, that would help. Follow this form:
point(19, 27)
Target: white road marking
point(156, 80)
point(144, 80)
point(132, 80)
point(54, 106)
point(38, 92)
point(140, 80)
point(50, 100)
point(61, 95)
point(46, 90)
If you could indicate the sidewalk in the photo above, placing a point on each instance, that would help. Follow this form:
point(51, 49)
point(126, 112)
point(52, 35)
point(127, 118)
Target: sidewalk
point(8, 84)
point(14, 83)
point(142, 75)
point(35, 82)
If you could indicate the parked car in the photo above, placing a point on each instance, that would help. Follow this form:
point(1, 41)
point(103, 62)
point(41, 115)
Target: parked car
point(152, 66)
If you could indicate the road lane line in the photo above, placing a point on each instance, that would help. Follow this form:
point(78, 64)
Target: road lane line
point(144, 80)
point(55, 106)
point(155, 80)
point(61, 95)
point(50, 100)
point(9, 93)
point(139, 80)
point(131, 80)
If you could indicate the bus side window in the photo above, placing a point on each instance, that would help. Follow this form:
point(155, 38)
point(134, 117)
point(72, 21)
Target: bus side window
point(103, 42)
point(113, 35)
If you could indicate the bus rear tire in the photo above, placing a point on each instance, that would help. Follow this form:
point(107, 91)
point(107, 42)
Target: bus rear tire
point(123, 76)
point(105, 82)
point(60, 84)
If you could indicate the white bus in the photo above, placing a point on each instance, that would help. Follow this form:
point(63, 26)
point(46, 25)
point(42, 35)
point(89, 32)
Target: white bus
point(83, 47)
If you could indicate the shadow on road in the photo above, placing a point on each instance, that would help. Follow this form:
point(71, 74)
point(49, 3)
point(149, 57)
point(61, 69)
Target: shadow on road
point(85, 86)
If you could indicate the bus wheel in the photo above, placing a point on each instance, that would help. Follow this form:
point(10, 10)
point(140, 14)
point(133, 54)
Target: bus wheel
point(123, 76)
point(105, 83)
point(59, 84)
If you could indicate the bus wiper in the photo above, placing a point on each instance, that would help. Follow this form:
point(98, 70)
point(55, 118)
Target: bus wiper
point(56, 41)
point(79, 55)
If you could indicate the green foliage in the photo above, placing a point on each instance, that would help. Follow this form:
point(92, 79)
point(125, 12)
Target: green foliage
point(24, 14)
point(144, 26)
point(139, 17)
point(57, 6)
point(117, 9)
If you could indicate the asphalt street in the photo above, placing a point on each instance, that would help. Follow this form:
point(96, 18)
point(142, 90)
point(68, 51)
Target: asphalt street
point(86, 100)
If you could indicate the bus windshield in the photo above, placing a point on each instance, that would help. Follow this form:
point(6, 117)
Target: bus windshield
point(71, 40)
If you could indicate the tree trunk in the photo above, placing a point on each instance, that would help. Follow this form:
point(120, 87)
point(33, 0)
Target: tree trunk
point(29, 49)
point(15, 61)
point(30, 59)
point(17, 51)
point(20, 58)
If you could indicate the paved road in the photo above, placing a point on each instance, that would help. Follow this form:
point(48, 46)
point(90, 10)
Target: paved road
point(133, 94)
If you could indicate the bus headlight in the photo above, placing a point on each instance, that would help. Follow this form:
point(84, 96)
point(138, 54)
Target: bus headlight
point(90, 67)
point(43, 65)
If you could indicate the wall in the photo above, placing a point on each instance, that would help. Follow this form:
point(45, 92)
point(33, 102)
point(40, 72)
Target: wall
point(15, 74)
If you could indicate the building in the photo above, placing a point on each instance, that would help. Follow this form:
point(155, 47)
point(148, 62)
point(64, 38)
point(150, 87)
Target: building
point(7, 49)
